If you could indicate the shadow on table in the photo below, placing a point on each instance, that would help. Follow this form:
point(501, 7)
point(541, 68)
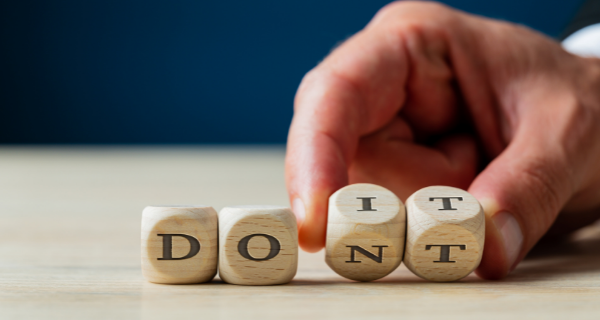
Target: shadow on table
point(559, 258)
point(550, 259)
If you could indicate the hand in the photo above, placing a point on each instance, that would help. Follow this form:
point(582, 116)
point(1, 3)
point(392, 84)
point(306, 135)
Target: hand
point(393, 104)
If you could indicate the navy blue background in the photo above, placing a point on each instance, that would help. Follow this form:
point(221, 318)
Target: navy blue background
point(132, 71)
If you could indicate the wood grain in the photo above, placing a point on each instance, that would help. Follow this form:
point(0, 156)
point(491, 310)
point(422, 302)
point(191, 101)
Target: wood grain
point(258, 245)
point(445, 233)
point(171, 225)
point(365, 232)
point(70, 248)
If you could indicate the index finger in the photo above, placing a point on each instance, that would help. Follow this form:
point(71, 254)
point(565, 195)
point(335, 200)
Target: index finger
point(353, 92)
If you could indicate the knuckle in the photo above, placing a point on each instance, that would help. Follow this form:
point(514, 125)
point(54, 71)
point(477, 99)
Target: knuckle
point(416, 18)
point(396, 8)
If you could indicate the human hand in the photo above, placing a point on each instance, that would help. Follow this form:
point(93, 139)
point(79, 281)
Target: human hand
point(417, 73)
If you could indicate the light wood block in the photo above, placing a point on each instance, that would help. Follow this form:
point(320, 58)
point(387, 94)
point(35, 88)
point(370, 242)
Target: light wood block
point(258, 245)
point(365, 232)
point(179, 244)
point(445, 233)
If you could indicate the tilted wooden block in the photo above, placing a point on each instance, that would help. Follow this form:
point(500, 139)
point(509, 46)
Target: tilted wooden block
point(445, 233)
point(179, 244)
point(258, 245)
point(365, 232)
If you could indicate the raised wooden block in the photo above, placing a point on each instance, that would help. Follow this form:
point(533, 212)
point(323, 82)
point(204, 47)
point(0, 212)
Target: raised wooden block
point(445, 234)
point(179, 244)
point(258, 245)
point(365, 232)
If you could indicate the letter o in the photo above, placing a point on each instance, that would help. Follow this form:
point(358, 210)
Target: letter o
point(243, 247)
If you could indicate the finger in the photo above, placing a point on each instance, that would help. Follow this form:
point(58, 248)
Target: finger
point(521, 192)
point(356, 90)
point(432, 102)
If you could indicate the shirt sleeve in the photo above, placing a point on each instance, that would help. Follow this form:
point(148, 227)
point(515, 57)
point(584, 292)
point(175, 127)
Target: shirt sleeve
point(582, 35)
point(587, 15)
point(584, 42)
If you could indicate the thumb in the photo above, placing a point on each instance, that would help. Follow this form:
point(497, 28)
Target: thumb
point(521, 192)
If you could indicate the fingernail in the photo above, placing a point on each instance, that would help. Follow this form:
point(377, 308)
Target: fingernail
point(299, 211)
point(512, 235)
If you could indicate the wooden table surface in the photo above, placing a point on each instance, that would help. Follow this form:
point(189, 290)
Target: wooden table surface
point(70, 248)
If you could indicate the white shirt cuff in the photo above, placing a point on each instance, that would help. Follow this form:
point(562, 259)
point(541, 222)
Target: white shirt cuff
point(584, 42)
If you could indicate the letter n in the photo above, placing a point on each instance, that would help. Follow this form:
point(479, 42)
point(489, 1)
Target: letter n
point(377, 258)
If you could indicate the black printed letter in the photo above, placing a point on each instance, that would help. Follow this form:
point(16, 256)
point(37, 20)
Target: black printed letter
point(243, 247)
point(168, 246)
point(366, 203)
point(366, 253)
point(445, 250)
point(446, 202)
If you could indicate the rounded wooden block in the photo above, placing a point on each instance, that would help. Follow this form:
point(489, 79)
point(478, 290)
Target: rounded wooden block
point(179, 244)
point(365, 232)
point(258, 245)
point(445, 233)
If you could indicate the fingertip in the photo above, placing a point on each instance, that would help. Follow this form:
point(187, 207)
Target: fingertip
point(511, 235)
point(310, 183)
point(311, 238)
point(312, 218)
point(503, 242)
point(492, 265)
point(299, 211)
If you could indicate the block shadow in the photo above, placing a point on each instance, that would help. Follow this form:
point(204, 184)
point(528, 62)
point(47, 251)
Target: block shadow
point(562, 257)
point(556, 258)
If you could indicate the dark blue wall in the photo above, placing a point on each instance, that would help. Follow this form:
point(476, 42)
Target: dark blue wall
point(133, 71)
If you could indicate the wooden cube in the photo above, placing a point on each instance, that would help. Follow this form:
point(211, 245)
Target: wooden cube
point(179, 244)
point(258, 245)
point(445, 233)
point(365, 232)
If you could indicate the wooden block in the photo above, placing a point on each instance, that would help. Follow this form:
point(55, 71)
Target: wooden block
point(179, 244)
point(365, 232)
point(258, 245)
point(445, 234)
